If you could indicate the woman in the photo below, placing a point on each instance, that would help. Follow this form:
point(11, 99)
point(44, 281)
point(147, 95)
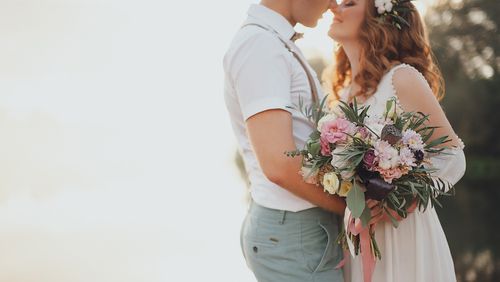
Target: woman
point(382, 56)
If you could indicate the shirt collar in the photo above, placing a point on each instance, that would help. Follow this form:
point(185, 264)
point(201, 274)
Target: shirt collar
point(272, 18)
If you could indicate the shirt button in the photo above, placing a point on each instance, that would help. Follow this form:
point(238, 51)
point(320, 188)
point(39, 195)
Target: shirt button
point(255, 249)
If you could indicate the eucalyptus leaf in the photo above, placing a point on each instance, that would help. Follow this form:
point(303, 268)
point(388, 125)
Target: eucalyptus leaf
point(366, 216)
point(356, 200)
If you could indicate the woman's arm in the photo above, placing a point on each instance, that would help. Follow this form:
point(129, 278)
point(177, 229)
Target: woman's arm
point(271, 134)
point(415, 95)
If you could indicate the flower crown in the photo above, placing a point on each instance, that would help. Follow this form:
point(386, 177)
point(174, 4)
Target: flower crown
point(393, 11)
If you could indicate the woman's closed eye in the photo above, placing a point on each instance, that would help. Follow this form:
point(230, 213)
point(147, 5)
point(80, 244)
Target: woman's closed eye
point(348, 3)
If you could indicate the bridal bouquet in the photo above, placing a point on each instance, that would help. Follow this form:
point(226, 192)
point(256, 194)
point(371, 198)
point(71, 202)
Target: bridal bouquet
point(361, 157)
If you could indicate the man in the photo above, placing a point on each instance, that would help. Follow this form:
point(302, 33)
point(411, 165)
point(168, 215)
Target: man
point(290, 230)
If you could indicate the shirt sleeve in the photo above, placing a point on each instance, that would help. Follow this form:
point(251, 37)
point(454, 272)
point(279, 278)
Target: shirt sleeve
point(263, 77)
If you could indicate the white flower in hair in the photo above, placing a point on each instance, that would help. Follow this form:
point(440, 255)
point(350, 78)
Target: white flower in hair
point(388, 6)
point(383, 6)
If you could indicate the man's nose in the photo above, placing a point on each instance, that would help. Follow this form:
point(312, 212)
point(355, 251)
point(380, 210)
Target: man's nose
point(333, 6)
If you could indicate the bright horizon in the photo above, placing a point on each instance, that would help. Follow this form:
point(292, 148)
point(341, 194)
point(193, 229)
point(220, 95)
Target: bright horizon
point(118, 157)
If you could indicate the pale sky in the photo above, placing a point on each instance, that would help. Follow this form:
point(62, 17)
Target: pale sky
point(117, 152)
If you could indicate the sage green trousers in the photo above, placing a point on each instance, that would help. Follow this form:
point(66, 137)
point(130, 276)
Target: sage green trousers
point(284, 246)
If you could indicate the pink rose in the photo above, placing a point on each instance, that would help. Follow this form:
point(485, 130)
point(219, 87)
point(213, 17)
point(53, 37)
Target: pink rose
point(335, 131)
point(325, 147)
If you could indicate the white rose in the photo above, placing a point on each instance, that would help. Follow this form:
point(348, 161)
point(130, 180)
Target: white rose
point(339, 162)
point(330, 183)
point(381, 9)
point(336, 159)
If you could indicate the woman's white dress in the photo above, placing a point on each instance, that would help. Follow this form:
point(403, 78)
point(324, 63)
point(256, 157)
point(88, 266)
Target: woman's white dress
point(417, 250)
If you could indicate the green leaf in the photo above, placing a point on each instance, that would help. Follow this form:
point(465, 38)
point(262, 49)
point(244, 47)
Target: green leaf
point(315, 148)
point(437, 141)
point(366, 216)
point(315, 135)
point(387, 107)
point(394, 221)
point(356, 200)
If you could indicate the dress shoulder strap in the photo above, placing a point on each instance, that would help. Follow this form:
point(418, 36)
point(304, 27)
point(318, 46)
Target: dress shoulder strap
point(390, 75)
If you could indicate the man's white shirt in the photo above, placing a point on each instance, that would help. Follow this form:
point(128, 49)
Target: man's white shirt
point(261, 74)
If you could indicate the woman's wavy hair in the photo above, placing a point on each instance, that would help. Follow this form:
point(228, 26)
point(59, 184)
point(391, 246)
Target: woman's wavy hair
point(382, 46)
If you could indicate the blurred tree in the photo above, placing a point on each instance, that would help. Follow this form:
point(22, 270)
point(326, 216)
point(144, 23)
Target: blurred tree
point(465, 38)
point(466, 41)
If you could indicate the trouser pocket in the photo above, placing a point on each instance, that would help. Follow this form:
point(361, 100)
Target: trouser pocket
point(320, 251)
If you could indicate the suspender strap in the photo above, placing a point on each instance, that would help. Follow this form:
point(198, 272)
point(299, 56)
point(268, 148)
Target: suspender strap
point(312, 84)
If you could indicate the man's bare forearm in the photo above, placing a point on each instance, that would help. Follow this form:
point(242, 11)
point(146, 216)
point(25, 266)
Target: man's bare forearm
point(292, 181)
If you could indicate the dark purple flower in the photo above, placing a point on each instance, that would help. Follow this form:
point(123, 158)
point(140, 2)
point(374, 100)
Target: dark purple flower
point(419, 156)
point(369, 159)
point(365, 174)
point(377, 188)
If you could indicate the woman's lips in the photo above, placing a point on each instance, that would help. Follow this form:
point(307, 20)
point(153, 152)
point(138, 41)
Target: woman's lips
point(337, 20)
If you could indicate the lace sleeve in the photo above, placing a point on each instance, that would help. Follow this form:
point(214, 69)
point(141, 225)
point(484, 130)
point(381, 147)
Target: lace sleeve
point(451, 165)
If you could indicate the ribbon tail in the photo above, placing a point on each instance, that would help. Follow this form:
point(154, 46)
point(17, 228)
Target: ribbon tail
point(367, 255)
point(347, 229)
point(343, 261)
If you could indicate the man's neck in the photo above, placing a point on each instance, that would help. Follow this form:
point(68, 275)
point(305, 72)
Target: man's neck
point(282, 7)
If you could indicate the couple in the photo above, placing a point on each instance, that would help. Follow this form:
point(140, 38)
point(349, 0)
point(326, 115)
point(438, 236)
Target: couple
point(290, 230)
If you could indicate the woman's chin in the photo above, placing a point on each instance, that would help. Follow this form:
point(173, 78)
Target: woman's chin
point(339, 34)
point(333, 34)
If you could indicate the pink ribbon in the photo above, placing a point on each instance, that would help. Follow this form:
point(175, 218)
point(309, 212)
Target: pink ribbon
point(355, 227)
point(366, 254)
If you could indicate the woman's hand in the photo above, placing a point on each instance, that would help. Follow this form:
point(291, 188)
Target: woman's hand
point(377, 212)
point(379, 215)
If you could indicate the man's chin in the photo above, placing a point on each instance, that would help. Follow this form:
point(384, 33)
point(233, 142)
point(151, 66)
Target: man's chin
point(310, 25)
